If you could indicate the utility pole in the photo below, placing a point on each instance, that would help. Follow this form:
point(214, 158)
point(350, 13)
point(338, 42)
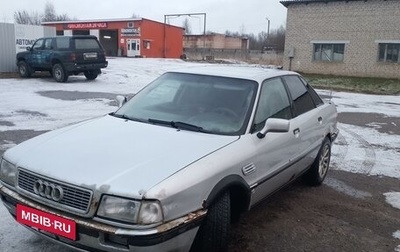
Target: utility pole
point(268, 32)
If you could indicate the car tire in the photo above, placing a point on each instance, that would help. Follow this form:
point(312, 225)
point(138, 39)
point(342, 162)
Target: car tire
point(59, 73)
point(90, 75)
point(319, 169)
point(213, 234)
point(23, 69)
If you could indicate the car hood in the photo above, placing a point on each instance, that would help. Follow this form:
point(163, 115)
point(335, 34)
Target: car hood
point(113, 155)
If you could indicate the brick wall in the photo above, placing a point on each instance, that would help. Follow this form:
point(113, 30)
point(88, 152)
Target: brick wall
point(214, 41)
point(358, 24)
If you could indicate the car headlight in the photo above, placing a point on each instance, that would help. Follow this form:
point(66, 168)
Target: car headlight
point(8, 172)
point(131, 211)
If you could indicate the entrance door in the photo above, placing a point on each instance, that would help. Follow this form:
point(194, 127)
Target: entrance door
point(133, 47)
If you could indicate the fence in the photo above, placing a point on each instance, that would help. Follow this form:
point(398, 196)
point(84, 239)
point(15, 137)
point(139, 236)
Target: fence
point(250, 56)
point(16, 37)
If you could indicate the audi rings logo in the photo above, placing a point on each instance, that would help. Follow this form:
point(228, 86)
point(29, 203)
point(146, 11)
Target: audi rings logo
point(48, 190)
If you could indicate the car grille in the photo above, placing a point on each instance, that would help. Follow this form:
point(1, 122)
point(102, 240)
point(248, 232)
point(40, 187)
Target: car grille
point(76, 199)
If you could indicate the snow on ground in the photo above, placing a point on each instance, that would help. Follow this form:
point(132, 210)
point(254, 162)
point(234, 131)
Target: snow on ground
point(358, 149)
point(393, 198)
point(364, 103)
point(367, 151)
point(397, 236)
point(18, 97)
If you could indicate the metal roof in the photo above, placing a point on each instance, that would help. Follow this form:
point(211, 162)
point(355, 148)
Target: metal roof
point(289, 2)
point(93, 21)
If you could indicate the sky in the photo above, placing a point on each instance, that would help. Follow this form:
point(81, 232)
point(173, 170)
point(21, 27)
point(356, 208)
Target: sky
point(25, 109)
point(234, 15)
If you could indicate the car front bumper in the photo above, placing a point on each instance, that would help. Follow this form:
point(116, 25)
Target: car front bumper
point(176, 235)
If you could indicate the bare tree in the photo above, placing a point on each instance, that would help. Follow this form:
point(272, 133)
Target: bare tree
point(134, 15)
point(51, 15)
point(277, 39)
point(49, 12)
point(62, 17)
point(34, 18)
point(23, 17)
point(186, 26)
point(242, 30)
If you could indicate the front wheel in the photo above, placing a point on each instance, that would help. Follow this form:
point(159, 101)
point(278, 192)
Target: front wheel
point(317, 173)
point(90, 75)
point(59, 73)
point(213, 234)
point(23, 69)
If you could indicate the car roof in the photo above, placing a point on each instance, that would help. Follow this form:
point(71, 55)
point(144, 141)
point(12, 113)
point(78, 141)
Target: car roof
point(255, 73)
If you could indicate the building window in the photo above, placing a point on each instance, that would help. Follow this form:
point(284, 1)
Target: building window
point(329, 52)
point(146, 44)
point(389, 52)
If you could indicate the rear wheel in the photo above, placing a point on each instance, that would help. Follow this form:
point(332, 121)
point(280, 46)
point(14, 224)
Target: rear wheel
point(213, 234)
point(23, 69)
point(90, 75)
point(317, 173)
point(59, 73)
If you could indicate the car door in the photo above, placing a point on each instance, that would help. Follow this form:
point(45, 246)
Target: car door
point(276, 152)
point(35, 58)
point(308, 120)
point(46, 53)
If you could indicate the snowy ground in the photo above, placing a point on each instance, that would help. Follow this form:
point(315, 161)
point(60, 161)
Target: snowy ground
point(363, 150)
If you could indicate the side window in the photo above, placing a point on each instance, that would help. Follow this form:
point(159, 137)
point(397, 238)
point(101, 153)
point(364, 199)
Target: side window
point(301, 98)
point(273, 103)
point(315, 97)
point(38, 44)
point(62, 42)
point(48, 44)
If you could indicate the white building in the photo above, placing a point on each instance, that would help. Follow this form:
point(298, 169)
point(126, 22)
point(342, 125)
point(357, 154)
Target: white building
point(15, 38)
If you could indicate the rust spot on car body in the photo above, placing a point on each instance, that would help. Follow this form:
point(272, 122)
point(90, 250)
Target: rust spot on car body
point(191, 217)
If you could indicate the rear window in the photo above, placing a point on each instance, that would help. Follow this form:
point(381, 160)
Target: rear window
point(86, 44)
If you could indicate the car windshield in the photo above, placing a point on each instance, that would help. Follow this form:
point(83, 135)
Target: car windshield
point(211, 104)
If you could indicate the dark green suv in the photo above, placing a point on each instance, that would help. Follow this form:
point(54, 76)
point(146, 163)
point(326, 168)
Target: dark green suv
point(63, 56)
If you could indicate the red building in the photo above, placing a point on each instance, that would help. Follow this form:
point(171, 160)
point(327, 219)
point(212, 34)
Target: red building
point(136, 37)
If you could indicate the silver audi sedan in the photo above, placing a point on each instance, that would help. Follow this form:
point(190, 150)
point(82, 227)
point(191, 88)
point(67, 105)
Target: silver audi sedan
point(175, 164)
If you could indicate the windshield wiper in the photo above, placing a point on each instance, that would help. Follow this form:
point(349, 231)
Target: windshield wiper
point(124, 116)
point(119, 116)
point(178, 125)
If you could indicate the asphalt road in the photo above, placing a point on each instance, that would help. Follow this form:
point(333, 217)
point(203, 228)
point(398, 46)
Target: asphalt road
point(347, 213)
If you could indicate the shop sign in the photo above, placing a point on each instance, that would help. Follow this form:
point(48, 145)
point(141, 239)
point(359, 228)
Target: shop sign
point(26, 35)
point(130, 32)
point(85, 26)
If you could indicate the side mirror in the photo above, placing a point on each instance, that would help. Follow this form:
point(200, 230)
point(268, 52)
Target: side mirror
point(28, 48)
point(274, 125)
point(121, 100)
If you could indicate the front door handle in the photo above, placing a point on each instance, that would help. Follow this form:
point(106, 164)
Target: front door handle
point(296, 131)
point(320, 119)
